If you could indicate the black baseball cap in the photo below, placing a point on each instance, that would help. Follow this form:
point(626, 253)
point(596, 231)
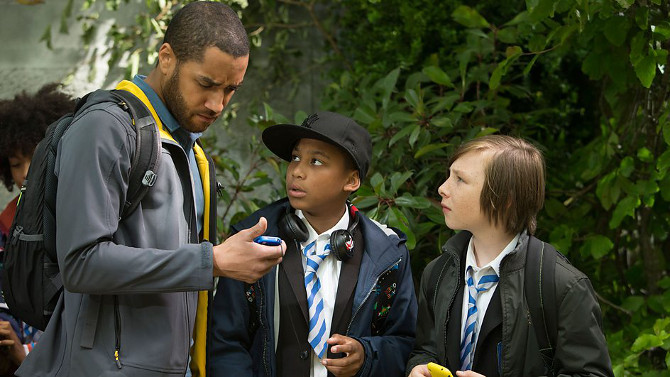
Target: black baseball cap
point(326, 126)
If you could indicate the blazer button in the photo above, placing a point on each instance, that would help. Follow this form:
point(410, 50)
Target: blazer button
point(304, 355)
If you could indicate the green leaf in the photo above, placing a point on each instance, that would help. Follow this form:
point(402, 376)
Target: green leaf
point(463, 107)
point(412, 98)
point(512, 54)
point(645, 155)
point(626, 207)
point(663, 162)
point(469, 17)
point(645, 342)
point(616, 29)
point(633, 303)
point(666, 131)
point(645, 70)
point(642, 17)
point(429, 148)
point(661, 30)
point(377, 183)
point(365, 115)
point(415, 135)
point(508, 35)
point(397, 179)
point(406, 200)
point(402, 134)
point(597, 246)
point(365, 201)
point(645, 187)
point(627, 166)
point(625, 4)
point(437, 75)
point(487, 131)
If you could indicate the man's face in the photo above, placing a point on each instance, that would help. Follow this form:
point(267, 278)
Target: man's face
point(18, 165)
point(196, 93)
point(318, 179)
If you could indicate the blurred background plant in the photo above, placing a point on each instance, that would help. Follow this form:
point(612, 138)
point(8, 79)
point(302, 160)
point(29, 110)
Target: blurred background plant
point(584, 80)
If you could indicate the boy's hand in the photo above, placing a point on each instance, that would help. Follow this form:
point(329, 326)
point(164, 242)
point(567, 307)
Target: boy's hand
point(10, 343)
point(348, 365)
point(468, 373)
point(420, 371)
point(240, 258)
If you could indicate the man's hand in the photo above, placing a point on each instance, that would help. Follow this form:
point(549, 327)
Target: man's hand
point(240, 258)
point(348, 365)
point(10, 345)
point(420, 371)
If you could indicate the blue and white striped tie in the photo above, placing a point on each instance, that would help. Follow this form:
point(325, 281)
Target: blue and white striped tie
point(470, 333)
point(317, 322)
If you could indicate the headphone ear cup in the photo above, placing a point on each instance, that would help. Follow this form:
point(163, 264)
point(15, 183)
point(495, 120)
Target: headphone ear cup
point(342, 244)
point(292, 226)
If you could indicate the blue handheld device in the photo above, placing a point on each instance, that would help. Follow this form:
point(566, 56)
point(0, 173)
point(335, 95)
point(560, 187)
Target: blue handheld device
point(268, 240)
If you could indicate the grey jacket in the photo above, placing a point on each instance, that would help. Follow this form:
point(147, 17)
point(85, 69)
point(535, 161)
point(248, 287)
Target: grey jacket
point(581, 349)
point(151, 264)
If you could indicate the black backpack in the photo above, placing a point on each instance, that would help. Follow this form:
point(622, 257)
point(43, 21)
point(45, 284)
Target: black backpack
point(540, 292)
point(31, 282)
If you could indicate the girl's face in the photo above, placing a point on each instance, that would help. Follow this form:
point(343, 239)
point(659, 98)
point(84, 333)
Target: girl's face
point(461, 193)
point(18, 165)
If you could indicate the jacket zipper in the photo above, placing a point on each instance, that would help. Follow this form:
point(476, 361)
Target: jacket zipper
point(451, 302)
point(117, 332)
point(260, 322)
point(370, 292)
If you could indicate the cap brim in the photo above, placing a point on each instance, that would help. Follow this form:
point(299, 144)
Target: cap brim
point(281, 138)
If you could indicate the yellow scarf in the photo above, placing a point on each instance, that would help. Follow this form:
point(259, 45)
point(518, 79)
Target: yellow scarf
point(198, 351)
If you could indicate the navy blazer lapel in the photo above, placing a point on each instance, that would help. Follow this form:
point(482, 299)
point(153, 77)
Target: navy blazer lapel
point(347, 282)
point(292, 263)
point(492, 319)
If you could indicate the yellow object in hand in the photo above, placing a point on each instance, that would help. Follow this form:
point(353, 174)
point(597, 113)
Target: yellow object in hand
point(437, 370)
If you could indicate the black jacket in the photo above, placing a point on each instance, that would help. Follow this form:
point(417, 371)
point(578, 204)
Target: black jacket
point(581, 349)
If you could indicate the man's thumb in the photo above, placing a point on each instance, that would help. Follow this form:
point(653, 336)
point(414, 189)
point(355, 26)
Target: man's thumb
point(259, 228)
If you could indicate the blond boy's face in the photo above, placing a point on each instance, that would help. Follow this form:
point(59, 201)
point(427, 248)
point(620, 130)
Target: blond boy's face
point(461, 193)
point(317, 178)
point(18, 165)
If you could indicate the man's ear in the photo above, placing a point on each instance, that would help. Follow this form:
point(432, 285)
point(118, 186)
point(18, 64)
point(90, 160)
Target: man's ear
point(166, 59)
point(353, 182)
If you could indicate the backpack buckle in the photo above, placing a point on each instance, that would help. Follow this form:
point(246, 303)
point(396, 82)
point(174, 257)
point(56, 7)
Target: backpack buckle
point(17, 234)
point(149, 178)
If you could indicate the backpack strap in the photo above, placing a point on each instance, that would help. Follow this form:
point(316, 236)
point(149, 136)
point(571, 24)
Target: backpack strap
point(541, 297)
point(144, 166)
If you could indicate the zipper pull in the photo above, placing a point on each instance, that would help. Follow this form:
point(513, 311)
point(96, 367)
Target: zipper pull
point(116, 357)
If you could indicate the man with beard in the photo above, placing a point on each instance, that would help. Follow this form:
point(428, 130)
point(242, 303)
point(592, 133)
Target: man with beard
point(136, 290)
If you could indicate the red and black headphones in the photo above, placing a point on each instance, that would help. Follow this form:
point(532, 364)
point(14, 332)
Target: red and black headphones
point(341, 241)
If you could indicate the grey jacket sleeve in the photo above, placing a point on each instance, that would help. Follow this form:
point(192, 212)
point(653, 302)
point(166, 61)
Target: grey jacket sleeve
point(581, 348)
point(92, 166)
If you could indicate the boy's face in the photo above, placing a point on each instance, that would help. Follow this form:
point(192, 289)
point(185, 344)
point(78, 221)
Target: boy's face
point(462, 190)
point(18, 165)
point(197, 92)
point(317, 178)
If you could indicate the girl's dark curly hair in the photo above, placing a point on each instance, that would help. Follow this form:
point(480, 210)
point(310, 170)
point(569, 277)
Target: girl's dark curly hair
point(23, 123)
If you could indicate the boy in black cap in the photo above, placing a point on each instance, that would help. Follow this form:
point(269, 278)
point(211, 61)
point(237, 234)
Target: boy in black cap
point(342, 301)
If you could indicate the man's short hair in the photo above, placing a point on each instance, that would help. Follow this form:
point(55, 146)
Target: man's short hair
point(200, 25)
point(513, 190)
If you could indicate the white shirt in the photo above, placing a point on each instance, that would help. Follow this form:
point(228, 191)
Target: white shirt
point(329, 276)
point(484, 298)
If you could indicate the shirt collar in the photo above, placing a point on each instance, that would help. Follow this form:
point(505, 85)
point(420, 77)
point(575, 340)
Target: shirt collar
point(494, 264)
point(343, 223)
point(163, 113)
